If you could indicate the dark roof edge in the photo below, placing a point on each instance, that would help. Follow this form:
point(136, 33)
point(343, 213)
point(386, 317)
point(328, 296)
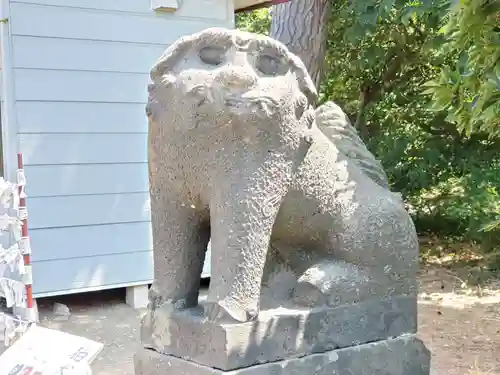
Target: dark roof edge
point(261, 5)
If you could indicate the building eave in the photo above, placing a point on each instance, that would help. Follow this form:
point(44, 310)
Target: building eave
point(258, 4)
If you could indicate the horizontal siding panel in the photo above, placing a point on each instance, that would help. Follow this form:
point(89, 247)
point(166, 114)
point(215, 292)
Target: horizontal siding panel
point(210, 9)
point(58, 212)
point(78, 273)
point(70, 54)
point(77, 242)
point(78, 86)
point(60, 180)
point(81, 117)
point(40, 149)
point(81, 75)
point(78, 23)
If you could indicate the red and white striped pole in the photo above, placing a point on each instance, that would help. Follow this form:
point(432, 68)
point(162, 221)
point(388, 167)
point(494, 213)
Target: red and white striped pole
point(25, 241)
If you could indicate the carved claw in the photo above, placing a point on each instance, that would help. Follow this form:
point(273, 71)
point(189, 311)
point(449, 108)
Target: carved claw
point(217, 311)
point(147, 324)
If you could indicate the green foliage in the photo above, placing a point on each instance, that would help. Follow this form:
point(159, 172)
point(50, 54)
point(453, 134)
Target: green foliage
point(381, 56)
point(258, 21)
point(388, 65)
point(493, 225)
point(377, 49)
point(469, 89)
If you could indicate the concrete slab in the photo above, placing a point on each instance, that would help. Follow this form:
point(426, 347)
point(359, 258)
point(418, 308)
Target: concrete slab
point(404, 355)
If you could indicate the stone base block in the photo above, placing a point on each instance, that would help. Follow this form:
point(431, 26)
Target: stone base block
point(405, 355)
point(279, 333)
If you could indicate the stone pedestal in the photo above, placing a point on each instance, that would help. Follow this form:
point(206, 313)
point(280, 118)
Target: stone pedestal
point(405, 355)
point(372, 337)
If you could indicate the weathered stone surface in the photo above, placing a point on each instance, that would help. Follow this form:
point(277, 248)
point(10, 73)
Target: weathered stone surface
point(405, 355)
point(311, 253)
point(239, 155)
point(280, 333)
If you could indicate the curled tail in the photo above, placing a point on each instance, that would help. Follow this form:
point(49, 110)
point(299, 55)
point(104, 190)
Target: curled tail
point(334, 123)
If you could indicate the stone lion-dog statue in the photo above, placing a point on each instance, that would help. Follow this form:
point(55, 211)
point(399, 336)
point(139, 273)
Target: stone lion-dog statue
point(239, 156)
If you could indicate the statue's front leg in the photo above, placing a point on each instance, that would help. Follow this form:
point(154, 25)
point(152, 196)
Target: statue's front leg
point(240, 240)
point(242, 218)
point(180, 238)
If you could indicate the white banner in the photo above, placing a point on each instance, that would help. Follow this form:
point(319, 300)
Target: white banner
point(43, 351)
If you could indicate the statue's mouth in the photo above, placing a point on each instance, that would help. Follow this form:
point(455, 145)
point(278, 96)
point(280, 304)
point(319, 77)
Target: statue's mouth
point(250, 104)
point(245, 98)
point(237, 104)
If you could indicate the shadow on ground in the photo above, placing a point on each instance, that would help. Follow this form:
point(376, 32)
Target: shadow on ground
point(462, 331)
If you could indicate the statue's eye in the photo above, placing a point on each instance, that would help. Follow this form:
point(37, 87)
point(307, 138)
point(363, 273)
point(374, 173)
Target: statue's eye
point(270, 65)
point(212, 55)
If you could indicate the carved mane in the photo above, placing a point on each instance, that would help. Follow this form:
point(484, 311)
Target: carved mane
point(334, 123)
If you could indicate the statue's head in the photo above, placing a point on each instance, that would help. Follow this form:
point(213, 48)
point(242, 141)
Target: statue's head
point(219, 75)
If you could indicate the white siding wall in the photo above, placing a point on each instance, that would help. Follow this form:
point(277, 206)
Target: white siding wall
point(80, 75)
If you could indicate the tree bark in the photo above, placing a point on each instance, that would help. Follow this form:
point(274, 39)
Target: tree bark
point(302, 25)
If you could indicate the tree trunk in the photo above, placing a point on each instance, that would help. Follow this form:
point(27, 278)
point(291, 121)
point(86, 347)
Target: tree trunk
point(302, 25)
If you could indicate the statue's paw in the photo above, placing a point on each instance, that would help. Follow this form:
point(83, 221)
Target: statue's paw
point(224, 311)
point(169, 303)
point(330, 283)
point(147, 323)
point(148, 331)
point(308, 294)
point(157, 311)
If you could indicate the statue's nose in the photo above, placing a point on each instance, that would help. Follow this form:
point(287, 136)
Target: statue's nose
point(242, 79)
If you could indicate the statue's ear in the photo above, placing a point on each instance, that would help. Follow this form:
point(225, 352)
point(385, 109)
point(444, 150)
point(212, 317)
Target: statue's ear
point(308, 88)
point(306, 84)
point(311, 94)
point(170, 58)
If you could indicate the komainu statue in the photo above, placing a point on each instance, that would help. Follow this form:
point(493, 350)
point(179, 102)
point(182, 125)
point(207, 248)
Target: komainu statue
point(239, 155)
